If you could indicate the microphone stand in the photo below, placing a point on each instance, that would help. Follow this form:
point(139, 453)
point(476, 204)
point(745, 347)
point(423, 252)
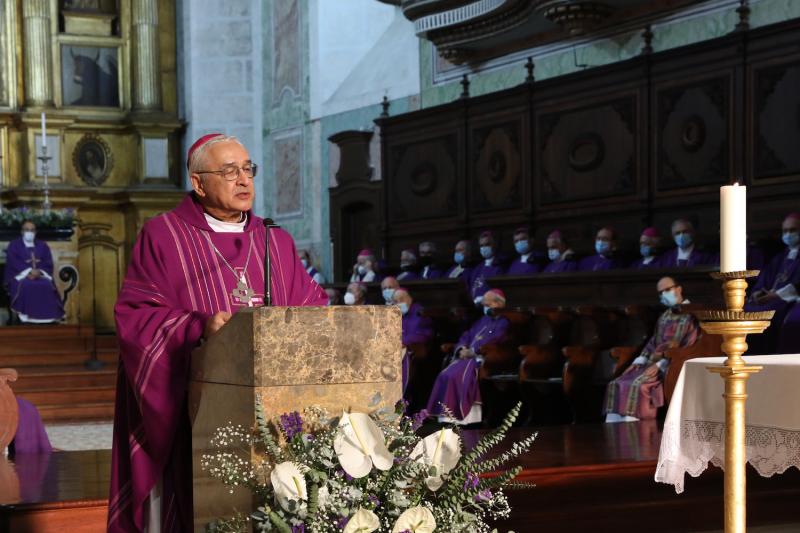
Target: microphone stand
point(268, 225)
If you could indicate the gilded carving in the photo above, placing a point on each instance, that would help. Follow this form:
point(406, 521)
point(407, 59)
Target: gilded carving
point(93, 160)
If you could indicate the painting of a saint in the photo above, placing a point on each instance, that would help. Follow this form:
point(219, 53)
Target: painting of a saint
point(89, 76)
point(92, 161)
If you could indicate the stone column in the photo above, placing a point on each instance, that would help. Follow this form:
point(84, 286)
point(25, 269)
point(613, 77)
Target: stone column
point(37, 48)
point(146, 86)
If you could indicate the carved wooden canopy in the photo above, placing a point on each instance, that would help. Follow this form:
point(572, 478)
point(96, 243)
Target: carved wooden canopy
point(476, 30)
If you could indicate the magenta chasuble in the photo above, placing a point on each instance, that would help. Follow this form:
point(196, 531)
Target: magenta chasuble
point(175, 281)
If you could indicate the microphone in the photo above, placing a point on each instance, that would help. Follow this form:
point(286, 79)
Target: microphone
point(268, 225)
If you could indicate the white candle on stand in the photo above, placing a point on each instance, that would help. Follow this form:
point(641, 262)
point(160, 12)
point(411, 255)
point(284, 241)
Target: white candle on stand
point(44, 131)
point(733, 228)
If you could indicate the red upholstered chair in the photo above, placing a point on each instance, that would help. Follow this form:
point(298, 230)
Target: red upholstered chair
point(9, 409)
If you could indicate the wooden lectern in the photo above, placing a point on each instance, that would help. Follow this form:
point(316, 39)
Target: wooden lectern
point(292, 357)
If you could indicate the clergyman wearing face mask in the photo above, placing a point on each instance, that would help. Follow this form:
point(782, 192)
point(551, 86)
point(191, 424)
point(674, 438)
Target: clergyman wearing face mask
point(488, 268)
point(605, 245)
point(356, 294)
point(685, 253)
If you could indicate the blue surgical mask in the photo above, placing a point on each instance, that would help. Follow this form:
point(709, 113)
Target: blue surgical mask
point(28, 236)
point(487, 252)
point(553, 254)
point(388, 294)
point(684, 240)
point(487, 310)
point(602, 247)
point(646, 250)
point(791, 238)
point(522, 247)
point(669, 299)
point(458, 258)
point(403, 308)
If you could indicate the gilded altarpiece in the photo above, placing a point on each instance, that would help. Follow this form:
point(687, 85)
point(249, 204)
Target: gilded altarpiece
point(104, 74)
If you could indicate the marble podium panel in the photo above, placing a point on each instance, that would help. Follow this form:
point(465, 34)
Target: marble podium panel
point(291, 357)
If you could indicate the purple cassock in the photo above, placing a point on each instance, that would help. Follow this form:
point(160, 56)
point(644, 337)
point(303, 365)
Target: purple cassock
point(696, 258)
point(639, 264)
point(35, 300)
point(456, 386)
point(408, 275)
point(31, 436)
point(476, 282)
point(779, 273)
point(561, 265)
point(429, 272)
point(417, 329)
point(177, 279)
point(520, 268)
point(599, 262)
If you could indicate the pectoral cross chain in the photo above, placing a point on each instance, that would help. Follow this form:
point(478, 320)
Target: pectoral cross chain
point(33, 261)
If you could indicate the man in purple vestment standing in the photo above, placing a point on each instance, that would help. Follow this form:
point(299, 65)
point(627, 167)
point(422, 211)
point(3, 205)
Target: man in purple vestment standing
point(562, 258)
point(685, 253)
point(775, 290)
point(649, 244)
point(457, 386)
point(489, 267)
point(191, 269)
point(28, 278)
point(525, 263)
point(417, 329)
point(638, 392)
point(605, 245)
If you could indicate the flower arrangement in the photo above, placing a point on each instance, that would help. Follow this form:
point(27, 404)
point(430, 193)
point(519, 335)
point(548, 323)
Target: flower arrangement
point(362, 473)
point(54, 218)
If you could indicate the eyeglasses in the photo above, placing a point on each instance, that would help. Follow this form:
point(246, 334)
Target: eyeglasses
point(231, 172)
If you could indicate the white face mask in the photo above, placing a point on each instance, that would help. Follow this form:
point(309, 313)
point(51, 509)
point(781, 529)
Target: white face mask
point(28, 236)
point(362, 270)
point(553, 254)
point(349, 298)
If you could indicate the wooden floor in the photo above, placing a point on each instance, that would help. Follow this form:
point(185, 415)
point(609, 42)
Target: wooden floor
point(50, 360)
point(589, 478)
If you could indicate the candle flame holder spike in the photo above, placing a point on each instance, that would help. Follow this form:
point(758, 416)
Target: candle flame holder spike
point(734, 324)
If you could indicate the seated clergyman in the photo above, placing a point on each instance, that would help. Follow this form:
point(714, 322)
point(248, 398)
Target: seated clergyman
point(525, 262)
point(489, 267)
point(639, 392)
point(561, 257)
point(685, 253)
point(408, 266)
point(427, 261)
point(462, 257)
point(456, 386)
point(305, 258)
point(388, 286)
point(29, 279)
point(649, 245)
point(365, 269)
point(605, 258)
point(356, 294)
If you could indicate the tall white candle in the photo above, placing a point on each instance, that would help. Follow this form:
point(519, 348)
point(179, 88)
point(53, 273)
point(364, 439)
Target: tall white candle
point(733, 228)
point(44, 131)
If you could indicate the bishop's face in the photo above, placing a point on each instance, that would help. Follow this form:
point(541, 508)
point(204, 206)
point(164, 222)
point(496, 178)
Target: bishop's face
point(225, 199)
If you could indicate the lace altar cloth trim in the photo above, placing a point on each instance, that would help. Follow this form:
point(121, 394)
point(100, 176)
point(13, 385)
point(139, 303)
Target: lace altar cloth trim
point(770, 450)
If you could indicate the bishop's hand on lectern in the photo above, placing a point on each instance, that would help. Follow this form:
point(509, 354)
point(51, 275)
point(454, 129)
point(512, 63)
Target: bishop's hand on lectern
point(190, 270)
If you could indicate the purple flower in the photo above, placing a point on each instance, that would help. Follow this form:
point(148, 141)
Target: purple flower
point(406, 531)
point(291, 424)
point(374, 500)
point(419, 418)
point(471, 482)
point(401, 406)
point(299, 528)
point(484, 495)
point(342, 522)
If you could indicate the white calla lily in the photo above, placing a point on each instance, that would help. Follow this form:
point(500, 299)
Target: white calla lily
point(360, 445)
point(363, 521)
point(289, 483)
point(417, 520)
point(441, 450)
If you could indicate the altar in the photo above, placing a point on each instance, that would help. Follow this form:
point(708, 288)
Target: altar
point(694, 430)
